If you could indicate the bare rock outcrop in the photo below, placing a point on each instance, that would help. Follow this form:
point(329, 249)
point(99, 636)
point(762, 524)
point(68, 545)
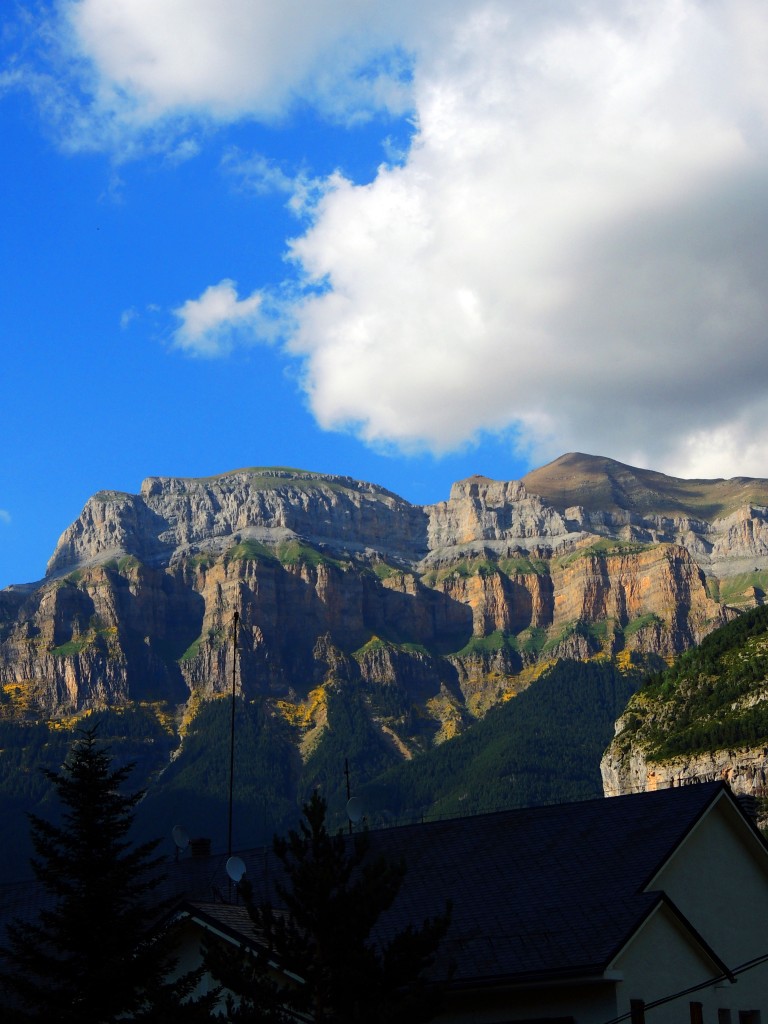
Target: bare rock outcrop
point(699, 720)
point(174, 517)
point(481, 511)
point(466, 595)
point(744, 768)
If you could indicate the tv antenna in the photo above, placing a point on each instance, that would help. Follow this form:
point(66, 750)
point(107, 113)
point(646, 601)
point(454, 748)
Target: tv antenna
point(235, 869)
point(232, 733)
point(354, 803)
point(354, 810)
point(180, 838)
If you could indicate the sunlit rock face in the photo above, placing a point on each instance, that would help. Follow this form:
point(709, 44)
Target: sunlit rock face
point(336, 580)
point(745, 769)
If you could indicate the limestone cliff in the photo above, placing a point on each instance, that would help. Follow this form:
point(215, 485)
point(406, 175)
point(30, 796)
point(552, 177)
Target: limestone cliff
point(458, 603)
point(704, 718)
point(744, 768)
point(172, 518)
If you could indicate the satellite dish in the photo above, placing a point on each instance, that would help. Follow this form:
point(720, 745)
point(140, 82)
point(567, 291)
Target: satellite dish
point(354, 809)
point(235, 868)
point(180, 837)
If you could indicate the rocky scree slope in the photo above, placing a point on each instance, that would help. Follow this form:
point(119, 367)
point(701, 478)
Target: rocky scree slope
point(340, 583)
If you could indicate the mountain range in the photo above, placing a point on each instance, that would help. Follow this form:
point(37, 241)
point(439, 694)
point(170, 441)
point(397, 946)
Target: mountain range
point(371, 631)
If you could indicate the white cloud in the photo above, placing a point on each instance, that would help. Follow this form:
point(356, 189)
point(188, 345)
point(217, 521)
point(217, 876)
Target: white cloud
point(183, 150)
point(211, 324)
point(259, 175)
point(139, 77)
point(233, 58)
point(5, 517)
point(733, 448)
point(574, 248)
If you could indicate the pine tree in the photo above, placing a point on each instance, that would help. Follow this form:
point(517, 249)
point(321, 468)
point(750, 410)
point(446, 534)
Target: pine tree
point(331, 899)
point(90, 957)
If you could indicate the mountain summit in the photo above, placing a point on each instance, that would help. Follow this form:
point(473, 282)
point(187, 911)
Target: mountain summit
point(462, 599)
point(602, 485)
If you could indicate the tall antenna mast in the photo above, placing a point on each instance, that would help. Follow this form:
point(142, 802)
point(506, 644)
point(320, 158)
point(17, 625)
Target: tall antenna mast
point(232, 731)
point(349, 794)
point(354, 803)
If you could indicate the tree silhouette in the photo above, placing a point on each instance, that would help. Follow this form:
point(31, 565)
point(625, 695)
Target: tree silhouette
point(324, 932)
point(90, 956)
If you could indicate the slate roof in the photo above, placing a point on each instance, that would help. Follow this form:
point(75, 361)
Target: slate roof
point(230, 918)
point(536, 892)
point(546, 890)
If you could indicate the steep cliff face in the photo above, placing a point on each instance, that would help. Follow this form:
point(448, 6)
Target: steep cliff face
point(705, 718)
point(490, 512)
point(721, 523)
point(457, 602)
point(745, 769)
point(173, 518)
point(98, 637)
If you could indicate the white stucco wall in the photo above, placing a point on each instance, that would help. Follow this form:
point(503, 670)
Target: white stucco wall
point(188, 951)
point(718, 878)
point(660, 961)
point(588, 1003)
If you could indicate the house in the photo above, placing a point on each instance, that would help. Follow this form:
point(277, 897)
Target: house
point(649, 906)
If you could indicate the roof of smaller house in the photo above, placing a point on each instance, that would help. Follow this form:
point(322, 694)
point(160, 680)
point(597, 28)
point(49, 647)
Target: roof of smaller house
point(231, 919)
point(536, 892)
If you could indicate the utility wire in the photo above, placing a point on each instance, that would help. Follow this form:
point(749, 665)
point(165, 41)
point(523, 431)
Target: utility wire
point(748, 965)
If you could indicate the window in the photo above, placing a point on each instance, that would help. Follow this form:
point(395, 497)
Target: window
point(749, 1017)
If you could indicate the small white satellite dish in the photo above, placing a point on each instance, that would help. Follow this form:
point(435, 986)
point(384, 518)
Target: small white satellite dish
point(354, 809)
point(180, 837)
point(235, 868)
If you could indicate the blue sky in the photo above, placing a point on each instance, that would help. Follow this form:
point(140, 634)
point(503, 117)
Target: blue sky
point(402, 244)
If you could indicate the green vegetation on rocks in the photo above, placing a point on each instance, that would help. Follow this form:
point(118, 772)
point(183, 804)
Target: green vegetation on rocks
point(490, 644)
point(542, 746)
point(602, 549)
point(642, 622)
point(712, 698)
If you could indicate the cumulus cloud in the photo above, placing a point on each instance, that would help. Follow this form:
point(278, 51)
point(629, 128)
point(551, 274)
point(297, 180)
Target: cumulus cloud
point(234, 58)
point(212, 324)
point(573, 249)
point(139, 77)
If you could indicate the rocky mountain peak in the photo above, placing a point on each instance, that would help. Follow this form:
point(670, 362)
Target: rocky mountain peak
point(602, 485)
point(483, 586)
point(491, 514)
point(173, 517)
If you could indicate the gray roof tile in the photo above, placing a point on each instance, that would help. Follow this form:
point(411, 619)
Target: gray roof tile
point(535, 891)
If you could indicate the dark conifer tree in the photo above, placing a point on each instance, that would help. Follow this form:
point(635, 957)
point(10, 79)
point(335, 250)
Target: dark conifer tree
point(90, 956)
point(331, 899)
